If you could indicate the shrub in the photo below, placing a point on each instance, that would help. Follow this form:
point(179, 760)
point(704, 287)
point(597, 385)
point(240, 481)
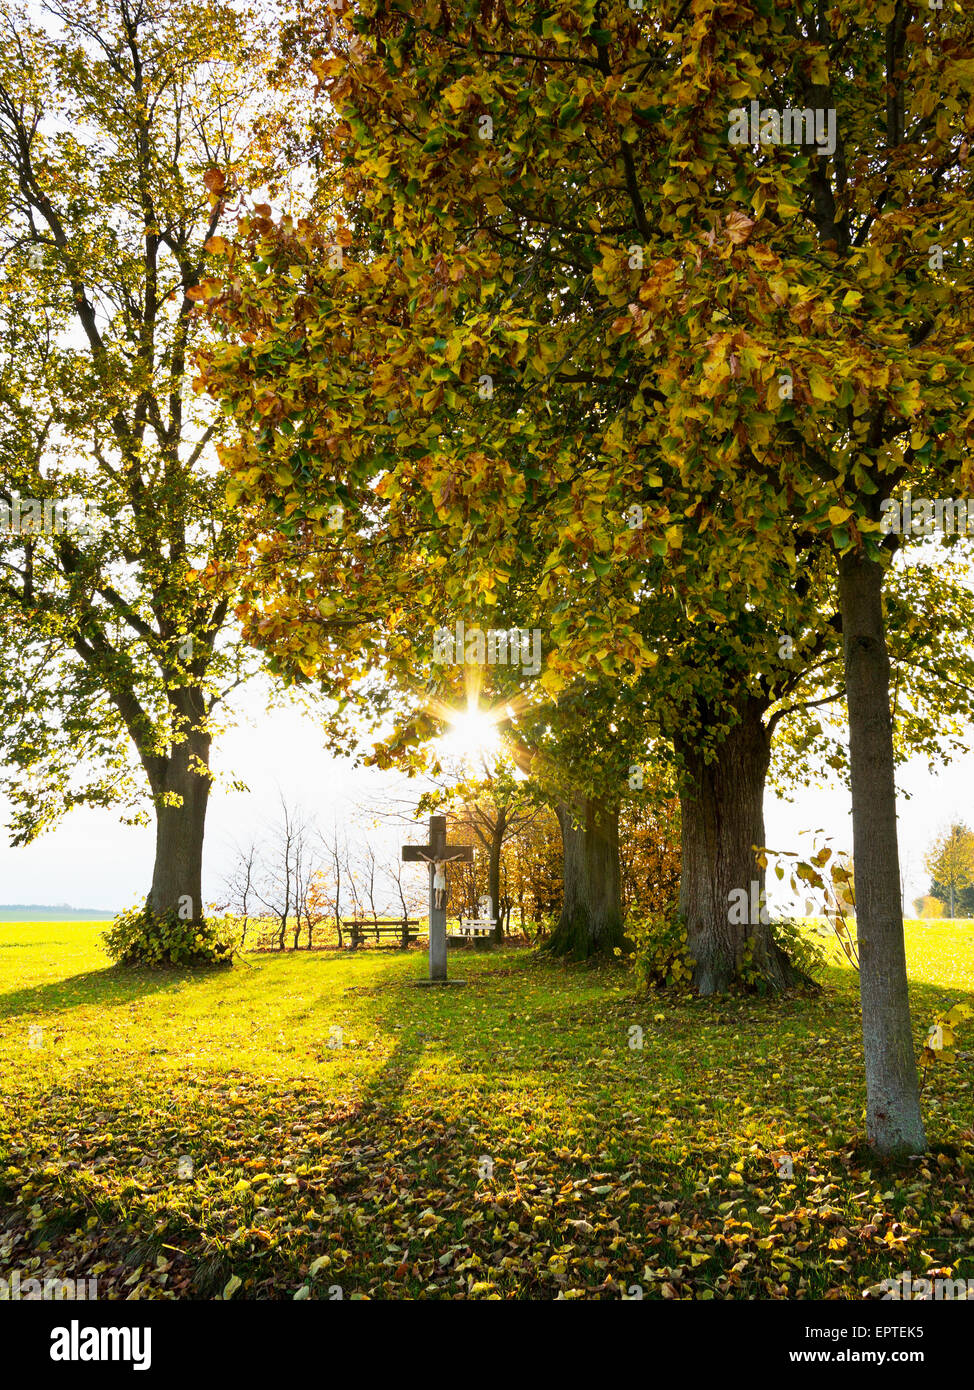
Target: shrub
point(540, 927)
point(929, 906)
point(662, 958)
point(660, 954)
point(140, 937)
point(807, 955)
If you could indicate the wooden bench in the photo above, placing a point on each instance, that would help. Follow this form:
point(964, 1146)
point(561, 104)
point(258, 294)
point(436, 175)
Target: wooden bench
point(404, 932)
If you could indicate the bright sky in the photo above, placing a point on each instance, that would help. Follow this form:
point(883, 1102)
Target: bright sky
point(92, 861)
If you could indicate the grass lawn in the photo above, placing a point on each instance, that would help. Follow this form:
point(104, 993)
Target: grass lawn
point(499, 1140)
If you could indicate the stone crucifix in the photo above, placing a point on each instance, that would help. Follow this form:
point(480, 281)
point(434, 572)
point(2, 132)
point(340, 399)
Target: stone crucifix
point(437, 854)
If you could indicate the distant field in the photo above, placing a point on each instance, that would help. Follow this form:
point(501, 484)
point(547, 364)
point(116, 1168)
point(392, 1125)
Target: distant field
point(506, 1139)
point(51, 914)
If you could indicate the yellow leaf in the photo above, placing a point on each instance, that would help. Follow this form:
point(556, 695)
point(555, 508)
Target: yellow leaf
point(787, 206)
point(553, 681)
point(822, 388)
point(820, 68)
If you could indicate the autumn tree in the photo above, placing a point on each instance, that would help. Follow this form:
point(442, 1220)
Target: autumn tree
point(119, 124)
point(533, 871)
point(649, 837)
point(488, 806)
point(754, 273)
point(928, 906)
point(583, 547)
point(825, 323)
point(950, 862)
point(550, 216)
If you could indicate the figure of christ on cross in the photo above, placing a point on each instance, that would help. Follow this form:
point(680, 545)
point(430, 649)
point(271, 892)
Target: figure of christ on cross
point(439, 876)
point(437, 854)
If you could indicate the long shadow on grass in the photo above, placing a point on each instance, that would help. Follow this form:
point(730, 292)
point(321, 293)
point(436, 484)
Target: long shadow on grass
point(927, 999)
point(565, 1032)
point(106, 988)
point(386, 1088)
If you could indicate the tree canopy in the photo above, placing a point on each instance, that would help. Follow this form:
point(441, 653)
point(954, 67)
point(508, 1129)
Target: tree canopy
point(117, 123)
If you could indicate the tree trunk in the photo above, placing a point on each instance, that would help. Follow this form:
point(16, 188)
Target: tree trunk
point(893, 1120)
point(177, 875)
point(591, 916)
point(507, 905)
point(338, 903)
point(494, 873)
point(721, 883)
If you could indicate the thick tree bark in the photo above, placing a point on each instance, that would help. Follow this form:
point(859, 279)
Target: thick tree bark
point(591, 914)
point(721, 883)
point(893, 1120)
point(177, 875)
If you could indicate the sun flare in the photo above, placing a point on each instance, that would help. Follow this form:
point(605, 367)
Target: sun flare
point(472, 735)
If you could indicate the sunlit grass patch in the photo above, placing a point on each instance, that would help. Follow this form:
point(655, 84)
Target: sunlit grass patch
point(540, 1131)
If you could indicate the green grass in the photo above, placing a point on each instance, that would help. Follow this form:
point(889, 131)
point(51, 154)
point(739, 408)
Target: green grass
point(503, 1139)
